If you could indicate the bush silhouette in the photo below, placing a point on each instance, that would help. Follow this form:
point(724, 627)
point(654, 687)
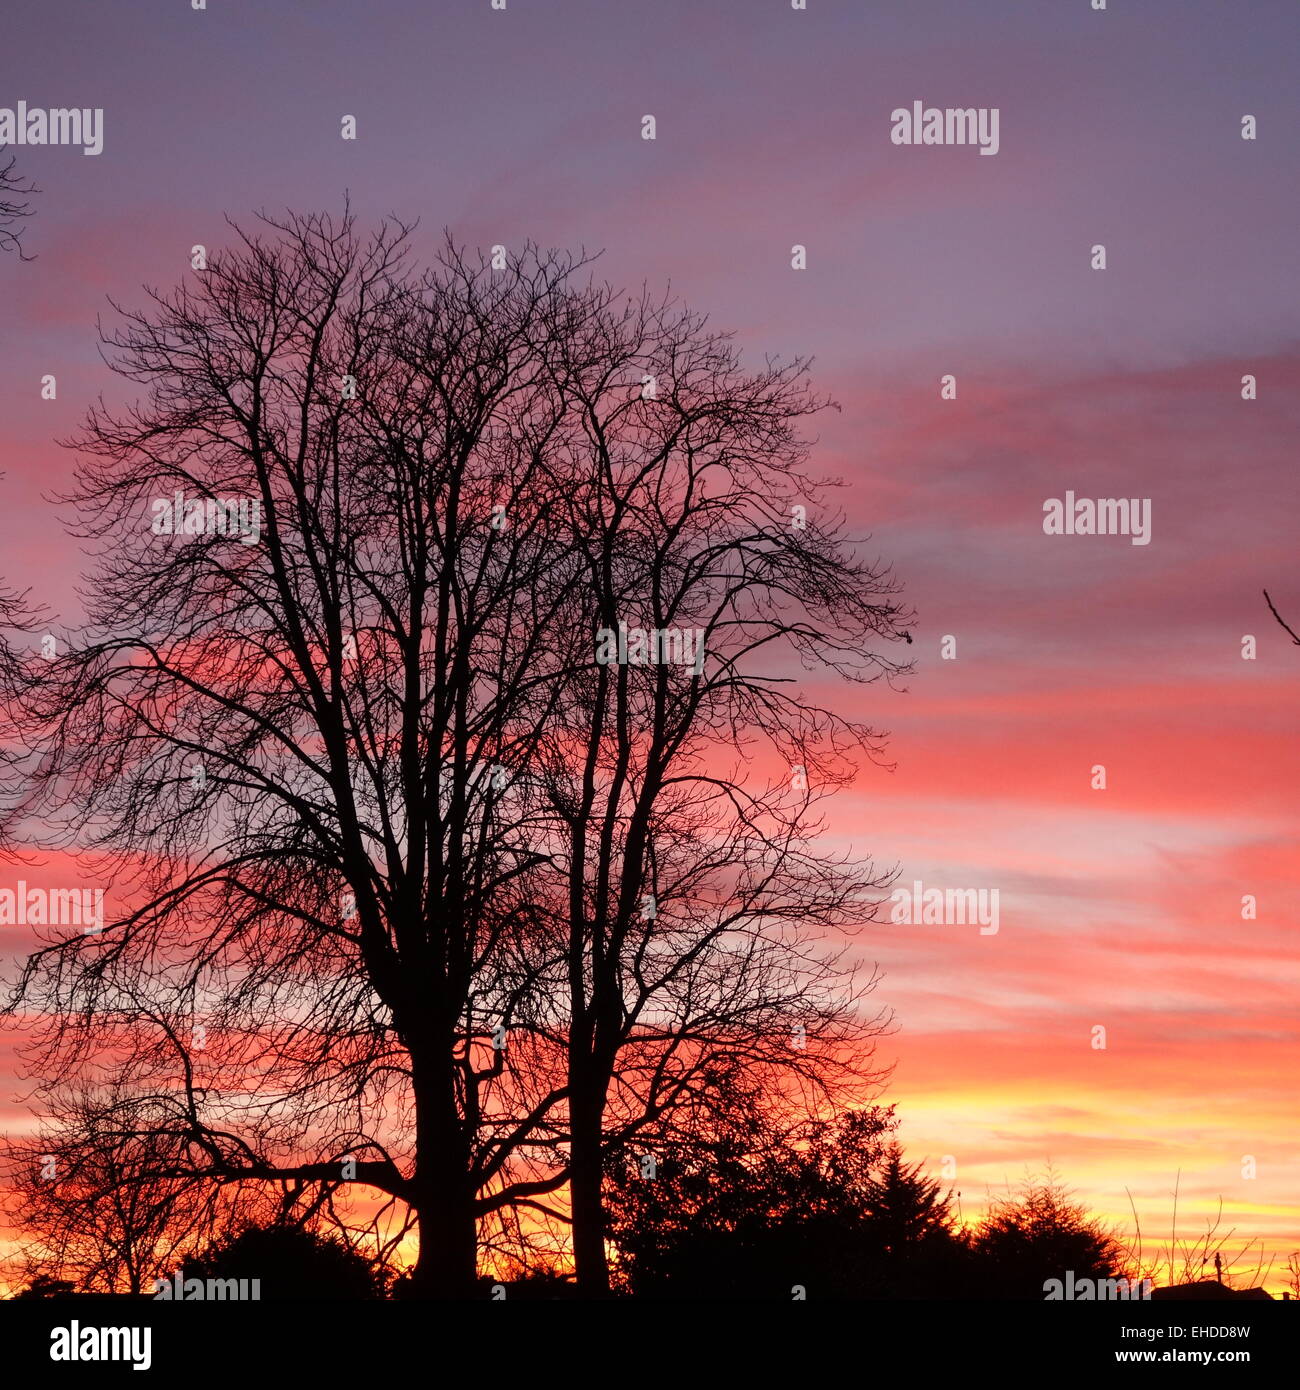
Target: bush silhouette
point(1037, 1234)
point(291, 1263)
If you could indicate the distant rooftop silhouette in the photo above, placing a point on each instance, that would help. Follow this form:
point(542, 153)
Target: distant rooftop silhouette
point(1208, 1289)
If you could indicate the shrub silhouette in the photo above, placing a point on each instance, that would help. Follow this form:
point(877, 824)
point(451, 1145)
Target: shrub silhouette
point(747, 1212)
point(291, 1263)
point(1036, 1234)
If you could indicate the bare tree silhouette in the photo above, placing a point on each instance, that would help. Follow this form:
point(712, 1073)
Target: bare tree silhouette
point(292, 751)
point(694, 892)
point(18, 619)
point(378, 823)
point(13, 208)
point(86, 1194)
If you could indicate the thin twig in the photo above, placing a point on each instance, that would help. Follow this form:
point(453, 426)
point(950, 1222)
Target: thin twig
point(1278, 616)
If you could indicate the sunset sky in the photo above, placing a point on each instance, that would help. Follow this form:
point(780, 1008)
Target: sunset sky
point(1119, 907)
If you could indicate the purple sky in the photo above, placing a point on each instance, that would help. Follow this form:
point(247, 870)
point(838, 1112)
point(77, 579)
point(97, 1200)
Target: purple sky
point(1119, 127)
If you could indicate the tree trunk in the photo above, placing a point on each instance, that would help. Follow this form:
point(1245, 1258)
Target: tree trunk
point(447, 1266)
point(586, 1206)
